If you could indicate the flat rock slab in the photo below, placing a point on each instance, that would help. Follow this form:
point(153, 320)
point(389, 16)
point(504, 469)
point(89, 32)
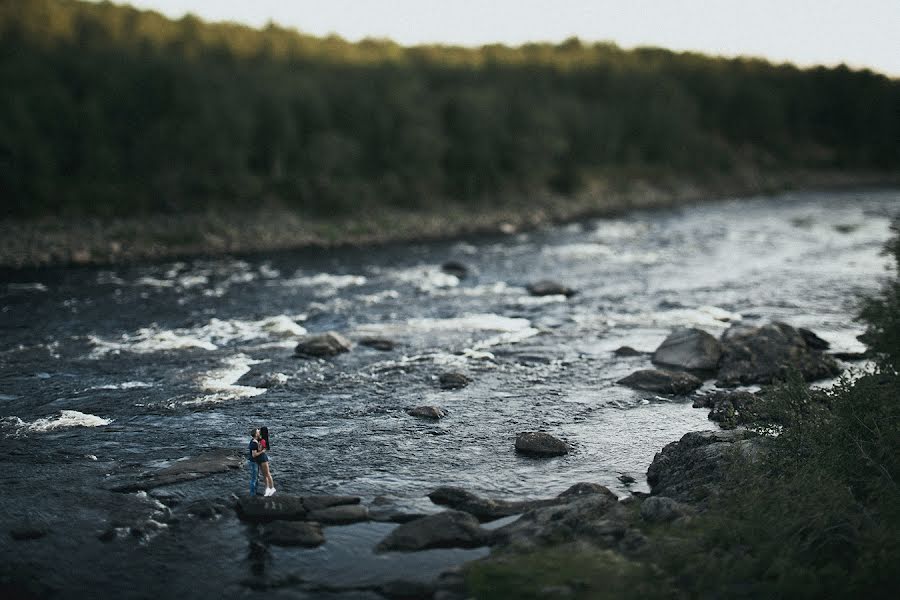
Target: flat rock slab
point(281, 507)
point(538, 443)
point(448, 529)
point(662, 382)
point(689, 348)
point(340, 515)
point(197, 467)
point(291, 533)
point(427, 412)
point(330, 343)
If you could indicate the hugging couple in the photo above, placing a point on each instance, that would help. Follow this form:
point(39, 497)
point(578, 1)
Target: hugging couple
point(259, 461)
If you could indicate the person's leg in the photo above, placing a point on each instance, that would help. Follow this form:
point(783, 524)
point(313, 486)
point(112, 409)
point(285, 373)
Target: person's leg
point(267, 473)
point(254, 476)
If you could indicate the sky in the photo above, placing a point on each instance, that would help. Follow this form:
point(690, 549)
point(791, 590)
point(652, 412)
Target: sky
point(860, 33)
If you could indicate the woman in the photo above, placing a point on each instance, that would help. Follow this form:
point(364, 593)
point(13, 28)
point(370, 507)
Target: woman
point(259, 461)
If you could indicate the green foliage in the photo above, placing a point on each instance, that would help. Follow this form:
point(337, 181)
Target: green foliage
point(565, 572)
point(110, 110)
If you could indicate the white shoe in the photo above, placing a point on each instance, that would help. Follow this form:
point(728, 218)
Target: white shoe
point(271, 491)
point(268, 492)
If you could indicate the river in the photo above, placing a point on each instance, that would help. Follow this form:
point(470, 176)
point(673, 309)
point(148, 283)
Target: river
point(105, 372)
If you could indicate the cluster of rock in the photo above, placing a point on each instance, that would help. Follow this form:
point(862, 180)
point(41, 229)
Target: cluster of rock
point(743, 356)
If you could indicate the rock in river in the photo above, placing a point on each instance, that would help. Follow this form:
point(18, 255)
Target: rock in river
point(763, 354)
point(688, 348)
point(485, 509)
point(453, 380)
point(662, 382)
point(627, 351)
point(382, 344)
point(427, 412)
point(538, 443)
point(457, 269)
point(448, 529)
point(549, 288)
point(325, 344)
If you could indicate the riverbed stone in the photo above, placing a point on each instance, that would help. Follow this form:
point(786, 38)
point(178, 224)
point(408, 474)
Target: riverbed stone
point(427, 412)
point(662, 382)
point(447, 529)
point(382, 344)
point(293, 533)
point(538, 443)
point(627, 351)
point(261, 509)
point(455, 268)
point(453, 380)
point(689, 349)
point(340, 515)
point(764, 354)
point(693, 468)
point(330, 343)
point(547, 287)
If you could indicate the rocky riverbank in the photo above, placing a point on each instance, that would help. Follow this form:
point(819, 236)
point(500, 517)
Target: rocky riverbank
point(75, 239)
point(586, 520)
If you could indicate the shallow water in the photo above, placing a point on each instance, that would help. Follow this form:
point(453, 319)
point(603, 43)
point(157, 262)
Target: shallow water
point(109, 371)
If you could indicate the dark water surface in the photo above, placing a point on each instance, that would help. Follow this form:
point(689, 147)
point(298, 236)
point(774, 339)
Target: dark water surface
point(108, 372)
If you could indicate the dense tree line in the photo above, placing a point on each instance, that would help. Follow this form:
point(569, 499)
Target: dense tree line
point(110, 110)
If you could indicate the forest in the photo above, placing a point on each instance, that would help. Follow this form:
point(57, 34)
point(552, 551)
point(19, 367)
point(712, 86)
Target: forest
point(107, 110)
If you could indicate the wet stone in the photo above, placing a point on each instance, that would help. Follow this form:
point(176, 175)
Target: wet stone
point(313, 503)
point(689, 348)
point(455, 268)
point(327, 344)
point(538, 443)
point(453, 380)
point(427, 412)
point(627, 351)
point(662, 382)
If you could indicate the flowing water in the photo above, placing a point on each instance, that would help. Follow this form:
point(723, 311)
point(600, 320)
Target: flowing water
point(105, 372)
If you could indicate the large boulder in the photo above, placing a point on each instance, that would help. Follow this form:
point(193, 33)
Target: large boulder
point(448, 529)
point(325, 344)
point(693, 468)
point(545, 287)
point(763, 354)
point(689, 348)
point(290, 533)
point(662, 382)
point(538, 443)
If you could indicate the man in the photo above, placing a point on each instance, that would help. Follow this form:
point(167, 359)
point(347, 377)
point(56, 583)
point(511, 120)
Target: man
point(255, 451)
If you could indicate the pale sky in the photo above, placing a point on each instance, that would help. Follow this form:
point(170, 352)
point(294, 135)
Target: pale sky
point(860, 33)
